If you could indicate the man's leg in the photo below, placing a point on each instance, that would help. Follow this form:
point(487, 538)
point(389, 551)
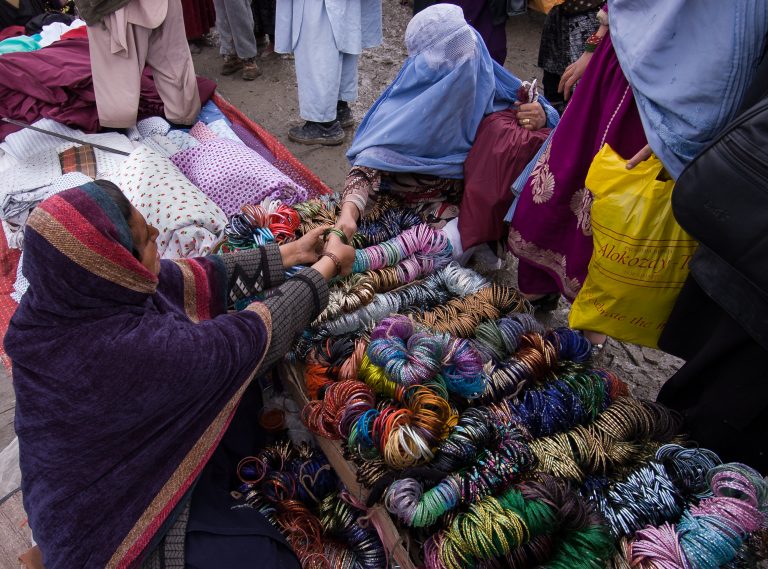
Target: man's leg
point(318, 74)
point(172, 67)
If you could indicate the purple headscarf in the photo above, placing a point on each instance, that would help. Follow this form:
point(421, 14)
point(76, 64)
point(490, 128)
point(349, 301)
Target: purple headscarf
point(125, 382)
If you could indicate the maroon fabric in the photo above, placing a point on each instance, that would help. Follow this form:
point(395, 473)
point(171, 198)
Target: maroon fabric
point(55, 82)
point(11, 32)
point(199, 17)
point(501, 151)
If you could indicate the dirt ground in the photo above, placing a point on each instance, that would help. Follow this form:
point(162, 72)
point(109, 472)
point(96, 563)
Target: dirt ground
point(271, 101)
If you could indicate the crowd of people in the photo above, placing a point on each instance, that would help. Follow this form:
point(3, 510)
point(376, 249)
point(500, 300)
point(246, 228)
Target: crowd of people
point(458, 138)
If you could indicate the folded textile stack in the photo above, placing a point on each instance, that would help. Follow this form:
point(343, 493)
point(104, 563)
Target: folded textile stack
point(188, 221)
point(35, 165)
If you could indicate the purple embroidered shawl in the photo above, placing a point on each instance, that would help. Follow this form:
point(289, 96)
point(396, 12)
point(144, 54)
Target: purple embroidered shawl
point(124, 383)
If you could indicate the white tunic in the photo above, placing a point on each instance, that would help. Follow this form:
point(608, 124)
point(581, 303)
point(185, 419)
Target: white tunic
point(356, 24)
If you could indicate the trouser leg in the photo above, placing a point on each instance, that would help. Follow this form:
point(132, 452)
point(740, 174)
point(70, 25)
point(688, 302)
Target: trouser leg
point(173, 69)
point(318, 65)
point(117, 76)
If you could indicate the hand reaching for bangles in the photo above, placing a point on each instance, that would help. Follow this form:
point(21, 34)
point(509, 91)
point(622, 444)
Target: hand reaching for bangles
point(346, 221)
point(305, 250)
point(343, 256)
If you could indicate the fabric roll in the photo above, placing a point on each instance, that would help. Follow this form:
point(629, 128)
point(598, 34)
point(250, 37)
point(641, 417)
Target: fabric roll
point(232, 174)
point(152, 125)
point(202, 133)
point(222, 130)
point(253, 142)
point(163, 145)
point(189, 223)
point(182, 139)
point(211, 112)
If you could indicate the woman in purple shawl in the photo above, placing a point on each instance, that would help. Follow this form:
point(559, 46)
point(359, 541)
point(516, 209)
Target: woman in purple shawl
point(128, 371)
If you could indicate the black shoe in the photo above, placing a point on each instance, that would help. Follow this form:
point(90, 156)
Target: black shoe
point(317, 133)
point(345, 118)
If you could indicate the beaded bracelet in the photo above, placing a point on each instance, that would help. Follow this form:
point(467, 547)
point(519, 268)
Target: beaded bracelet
point(592, 42)
point(335, 259)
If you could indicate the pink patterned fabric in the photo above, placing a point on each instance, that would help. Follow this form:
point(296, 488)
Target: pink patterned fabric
point(202, 133)
point(232, 174)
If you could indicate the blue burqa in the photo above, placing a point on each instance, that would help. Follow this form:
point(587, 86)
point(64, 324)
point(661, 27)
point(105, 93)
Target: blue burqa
point(426, 120)
point(689, 63)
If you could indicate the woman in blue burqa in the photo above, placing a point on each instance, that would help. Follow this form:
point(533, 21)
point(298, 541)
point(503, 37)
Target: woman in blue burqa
point(414, 141)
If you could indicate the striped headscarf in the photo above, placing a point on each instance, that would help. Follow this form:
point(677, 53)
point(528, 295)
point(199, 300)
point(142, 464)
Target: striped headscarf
point(125, 381)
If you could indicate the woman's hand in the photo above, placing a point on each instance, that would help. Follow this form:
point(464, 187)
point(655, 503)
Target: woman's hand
point(531, 116)
point(347, 219)
point(304, 251)
point(345, 254)
point(572, 74)
point(336, 251)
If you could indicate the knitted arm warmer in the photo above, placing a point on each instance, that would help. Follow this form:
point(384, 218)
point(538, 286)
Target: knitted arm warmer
point(252, 271)
point(293, 306)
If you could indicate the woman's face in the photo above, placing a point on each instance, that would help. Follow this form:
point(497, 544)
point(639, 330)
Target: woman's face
point(144, 241)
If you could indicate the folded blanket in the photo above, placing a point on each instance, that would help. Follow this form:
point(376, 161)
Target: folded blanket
point(56, 83)
point(15, 206)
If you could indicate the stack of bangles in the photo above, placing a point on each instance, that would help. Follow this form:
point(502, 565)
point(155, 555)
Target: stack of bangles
point(436, 289)
point(338, 233)
point(493, 440)
point(257, 225)
point(294, 487)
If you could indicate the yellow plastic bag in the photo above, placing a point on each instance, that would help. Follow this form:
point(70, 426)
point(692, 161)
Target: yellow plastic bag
point(641, 254)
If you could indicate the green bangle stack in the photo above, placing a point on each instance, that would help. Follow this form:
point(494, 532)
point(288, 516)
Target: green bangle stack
point(338, 233)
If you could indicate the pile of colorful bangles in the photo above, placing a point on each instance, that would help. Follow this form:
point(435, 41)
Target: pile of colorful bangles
point(294, 487)
point(493, 441)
